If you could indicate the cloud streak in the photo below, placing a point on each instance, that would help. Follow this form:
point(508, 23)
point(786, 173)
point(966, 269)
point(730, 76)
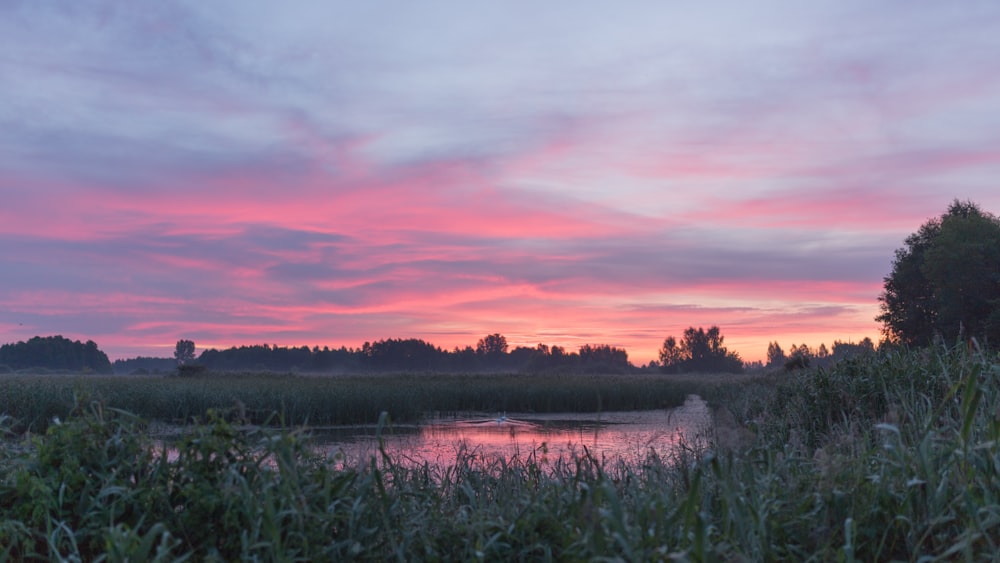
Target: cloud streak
point(336, 174)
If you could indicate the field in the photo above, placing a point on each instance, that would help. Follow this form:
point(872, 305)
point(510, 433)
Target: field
point(887, 457)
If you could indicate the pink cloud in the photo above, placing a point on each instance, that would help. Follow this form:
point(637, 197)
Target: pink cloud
point(433, 251)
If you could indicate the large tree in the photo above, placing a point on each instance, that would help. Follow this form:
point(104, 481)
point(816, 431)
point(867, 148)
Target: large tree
point(184, 352)
point(945, 281)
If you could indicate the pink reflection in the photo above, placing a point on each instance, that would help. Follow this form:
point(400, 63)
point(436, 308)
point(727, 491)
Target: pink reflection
point(630, 436)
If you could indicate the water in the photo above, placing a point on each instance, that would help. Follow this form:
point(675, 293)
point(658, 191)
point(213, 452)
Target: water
point(630, 435)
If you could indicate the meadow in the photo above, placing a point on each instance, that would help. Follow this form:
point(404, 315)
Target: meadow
point(887, 457)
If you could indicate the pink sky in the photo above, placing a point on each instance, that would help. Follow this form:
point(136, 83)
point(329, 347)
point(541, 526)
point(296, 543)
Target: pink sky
point(235, 173)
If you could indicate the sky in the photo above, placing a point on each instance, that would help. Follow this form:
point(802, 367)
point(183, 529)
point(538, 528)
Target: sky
point(330, 173)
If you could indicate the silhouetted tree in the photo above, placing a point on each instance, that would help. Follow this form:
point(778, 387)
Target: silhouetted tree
point(945, 281)
point(258, 357)
point(402, 354)
point(493, 346)
point(799, 357)
point(464, 359)
point(843, 350)
point(603, 358)
point(522, 357)
point(699, 351)
point(775, 355)
point(671, 355)
point(184, 352)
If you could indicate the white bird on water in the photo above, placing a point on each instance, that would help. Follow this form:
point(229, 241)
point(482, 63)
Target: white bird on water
point(502, 419)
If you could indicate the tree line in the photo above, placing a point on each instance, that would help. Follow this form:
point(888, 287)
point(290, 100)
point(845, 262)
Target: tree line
point(491, 353)
point(698, 350)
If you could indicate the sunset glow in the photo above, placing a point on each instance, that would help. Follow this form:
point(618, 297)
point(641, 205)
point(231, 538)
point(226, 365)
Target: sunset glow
point(336, 173)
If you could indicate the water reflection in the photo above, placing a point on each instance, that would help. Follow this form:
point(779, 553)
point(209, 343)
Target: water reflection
point(629, 435)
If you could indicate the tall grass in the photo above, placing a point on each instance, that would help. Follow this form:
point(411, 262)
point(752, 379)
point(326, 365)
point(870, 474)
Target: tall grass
point(884, 458)
point(317, 400)
point(894, 456)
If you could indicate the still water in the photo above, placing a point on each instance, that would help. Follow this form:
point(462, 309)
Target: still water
point(630, 435)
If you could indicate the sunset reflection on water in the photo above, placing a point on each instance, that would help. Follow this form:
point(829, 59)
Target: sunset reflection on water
point(630, 435)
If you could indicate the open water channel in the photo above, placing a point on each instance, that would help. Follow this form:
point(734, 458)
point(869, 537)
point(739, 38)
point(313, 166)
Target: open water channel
point(630, 435)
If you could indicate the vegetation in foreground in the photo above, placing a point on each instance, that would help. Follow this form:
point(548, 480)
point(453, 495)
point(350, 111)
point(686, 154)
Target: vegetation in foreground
point(885, 457)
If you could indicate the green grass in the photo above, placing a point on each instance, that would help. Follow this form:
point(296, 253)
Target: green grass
point(893, 457)
point(33, 400)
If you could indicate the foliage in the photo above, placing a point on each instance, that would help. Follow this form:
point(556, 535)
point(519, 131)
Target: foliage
point(799, 358)
point(802, 356)
point(699, 351)
point(57, 353)
point(775, 355)
point(184, 352)
point(844, 350)
point(399, 354)
point(263, 357)
point(491, 354)
point(946, 281)
point(603, 359)
point(882, 457)
point(492, 345)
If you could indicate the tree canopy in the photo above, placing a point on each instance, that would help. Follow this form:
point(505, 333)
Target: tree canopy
point(945, 281)
point(492, 345)
point(603, 358)
point(55, 352)
point(184, 352)
point(700, 351)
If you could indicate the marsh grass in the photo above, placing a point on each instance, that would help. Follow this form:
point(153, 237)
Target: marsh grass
point(33, 400)
point(892, 457)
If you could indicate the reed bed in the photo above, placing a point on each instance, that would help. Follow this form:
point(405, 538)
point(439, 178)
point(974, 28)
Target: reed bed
point(33, 400)
point(891, 457)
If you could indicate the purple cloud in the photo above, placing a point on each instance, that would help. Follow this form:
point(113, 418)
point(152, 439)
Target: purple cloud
point(329, 174)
